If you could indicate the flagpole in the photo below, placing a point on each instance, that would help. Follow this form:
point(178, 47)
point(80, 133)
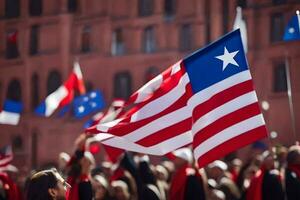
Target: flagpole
point(289, 92)
point(298, 16)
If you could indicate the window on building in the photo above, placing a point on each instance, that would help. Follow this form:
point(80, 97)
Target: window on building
point(149, 44)
point(151, 73)
point(72, 6)
point(279, 78)
point(86, 39)
point(241, 3)
point(14, 91)
point(170, 8)
point(118, 47)
point(207, 21)
point(185, 39)
point(146, 7)
point(35, 7)
point(277, 2)
point(12, 50)
point(34, 40)
point(17, 143)
point(12, 8)
point(89, 86)
point(122, 85)
point(225, 8)
point(277, 27)
point(53, 82)
point(34, 91)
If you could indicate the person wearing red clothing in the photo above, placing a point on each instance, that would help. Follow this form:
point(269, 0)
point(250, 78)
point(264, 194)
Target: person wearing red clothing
point(266, 184)
point(11, 190)
point(186, 182)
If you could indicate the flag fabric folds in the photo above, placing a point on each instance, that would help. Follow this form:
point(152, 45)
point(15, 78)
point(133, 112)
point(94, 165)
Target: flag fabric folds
point(11, 112)
point(88, 103)
point(206, 100)
point(239, 23)
point(292, 30)
point(6, 157)
point(114, 111)
point(64, 94)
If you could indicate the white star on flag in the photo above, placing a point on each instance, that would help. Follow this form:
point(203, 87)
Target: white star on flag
point(227, 58)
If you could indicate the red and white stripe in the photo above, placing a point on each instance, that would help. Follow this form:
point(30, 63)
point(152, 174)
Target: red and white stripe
point(216, 120)
point(226, 116)
point(158, 123)
point(6, 159)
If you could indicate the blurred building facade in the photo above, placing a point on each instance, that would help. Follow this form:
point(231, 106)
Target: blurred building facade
point(121, 44)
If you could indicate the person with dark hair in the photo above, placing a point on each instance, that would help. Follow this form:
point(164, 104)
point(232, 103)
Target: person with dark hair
point(292, 173)
point(46, 185)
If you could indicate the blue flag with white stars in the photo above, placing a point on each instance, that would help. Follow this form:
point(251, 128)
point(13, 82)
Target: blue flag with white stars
point(88, 103)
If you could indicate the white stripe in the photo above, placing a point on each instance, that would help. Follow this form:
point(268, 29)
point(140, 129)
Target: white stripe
point(9, 117)
point(77, 70)
point(224, 109)
point(149, 88)
point(227, 134)
point(176, 68)
point(158, 105)
point(6, 160)
point(207, 93)
point(159, 149)
point(104, 127)
point(53, 100)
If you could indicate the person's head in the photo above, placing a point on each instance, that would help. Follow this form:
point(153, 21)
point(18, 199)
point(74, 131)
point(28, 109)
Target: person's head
point(100, 187)
point(268, 160)
point(182, 156)
point(217, 169)
point(293, 156)
point(120, 190)
point(46, 185)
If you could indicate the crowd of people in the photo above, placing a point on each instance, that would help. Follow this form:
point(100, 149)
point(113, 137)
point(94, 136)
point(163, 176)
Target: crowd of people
point(267, 175)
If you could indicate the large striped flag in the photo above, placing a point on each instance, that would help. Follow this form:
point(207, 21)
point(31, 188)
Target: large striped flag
point(206, 100)
point(6, 157)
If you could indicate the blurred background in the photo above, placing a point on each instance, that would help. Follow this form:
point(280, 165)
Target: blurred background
point(122, 44)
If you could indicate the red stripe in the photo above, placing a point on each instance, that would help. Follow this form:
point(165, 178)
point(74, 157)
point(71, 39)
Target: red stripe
point(225, 122)
point(124, 128)
point(222, 97)
point(166, 133)
point(232, 145)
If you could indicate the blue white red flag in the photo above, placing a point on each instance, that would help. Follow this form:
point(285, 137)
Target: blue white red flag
point(64, 94)
point(11, 112)
point(6, 157)
point(206, 100)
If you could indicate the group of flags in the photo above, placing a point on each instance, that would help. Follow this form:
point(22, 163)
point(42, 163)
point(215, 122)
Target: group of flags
point(61, 99)
point(205, 100)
